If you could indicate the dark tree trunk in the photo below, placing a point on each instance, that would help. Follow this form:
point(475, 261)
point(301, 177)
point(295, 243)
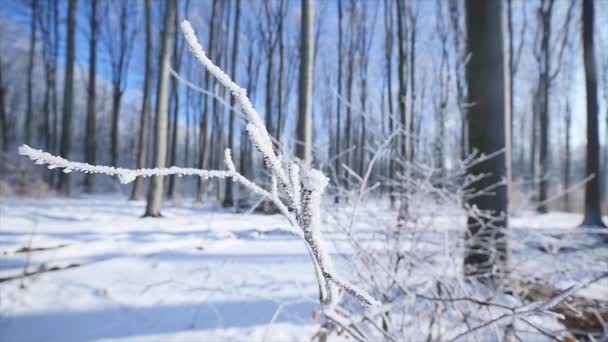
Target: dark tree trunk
point(68, 96)
point(486, 254)
point(178, 51)
point(388, 22)
point(202, 161)
point(29, 115)
point(567, 156)
point(142, 154)
point(303, 149)
point(228, 195)
point(593, 212)
point(3, 118)
point(90, 140)
point(338, 142)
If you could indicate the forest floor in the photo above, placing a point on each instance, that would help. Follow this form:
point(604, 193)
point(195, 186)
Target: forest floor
point(89, 268)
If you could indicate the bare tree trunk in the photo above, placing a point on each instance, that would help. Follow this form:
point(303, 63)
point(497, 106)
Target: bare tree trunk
point(29, 115)
point(142, 154)
point(3, 118)
point(228, 195)
point(68, 96)
point(55, 106)
point(338, 142)
point(202, 162)
point(90, 141)
point(178, 53)
point(155, 194)
point(349, 97)
point(412, 59)
point(593, 189)
point(406, 138)
point(303, 148)
point(281, 76)
point(388, 31)
point(486, 251)
point(567, 155)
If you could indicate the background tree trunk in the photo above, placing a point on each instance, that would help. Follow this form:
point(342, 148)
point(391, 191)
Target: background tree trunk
point(68, 96)
point(142, 154)
point(303, 148)
point(90, 140)
point(593, 212)
point(486, 251)
point(155, 194)
point(29, 114)
point(202, 161)
point(228, 195)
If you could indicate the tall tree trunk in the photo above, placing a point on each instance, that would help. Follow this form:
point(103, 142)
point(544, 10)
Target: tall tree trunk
point(178, 51)
point(90, 140)
point(3, 118)
point(593, 212)
point(202, 162)
point(388, 31)
point(281, 76)
point(567, 155)
point(29, 115)
point(486, 254)
point(545, 15)
point(116, 98)
point(142, 154)
point(303, 149)
point(338, 142)
point(228, 195)
point(155, 194)
point(68, 96)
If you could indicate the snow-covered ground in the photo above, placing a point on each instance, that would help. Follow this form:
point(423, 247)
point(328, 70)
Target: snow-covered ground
point(198, 274)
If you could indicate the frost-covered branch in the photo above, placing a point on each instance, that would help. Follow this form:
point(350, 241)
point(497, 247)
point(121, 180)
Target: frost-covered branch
point(296, 192)
point(124, 175)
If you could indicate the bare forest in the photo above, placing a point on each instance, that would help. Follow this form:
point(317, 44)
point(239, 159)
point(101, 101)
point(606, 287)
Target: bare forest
point(303, 170)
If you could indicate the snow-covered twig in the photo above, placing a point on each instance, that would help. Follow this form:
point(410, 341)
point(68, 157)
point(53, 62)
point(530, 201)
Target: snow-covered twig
point(124, 175)
point(296, 192)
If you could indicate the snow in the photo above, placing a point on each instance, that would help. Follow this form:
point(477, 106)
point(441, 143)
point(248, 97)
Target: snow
point(206, 274)
point(198, 273)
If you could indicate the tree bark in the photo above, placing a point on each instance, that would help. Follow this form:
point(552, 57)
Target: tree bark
point(142, 154)
point(228, 195)
point(486, 254)
point(3, 118)
point(29, 115)
point(202, 161)
point(567, 155)
point(68, 96)
point(90, 128)
point(303, 148)
point(593, 212)
point(155, 194)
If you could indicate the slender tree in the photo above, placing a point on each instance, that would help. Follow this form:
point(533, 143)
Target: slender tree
point(29, 113)
point(142, 154)
point(338, 141)
point(303, 148)
point(68, 95)
point(228, 195)
point(388, 45)
point(204, 122)
point(547, 74)
point(486, 245)
point(120, 38)
point(3, 116)
point(593, 212)
point(155, 194)
point(90, 128)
